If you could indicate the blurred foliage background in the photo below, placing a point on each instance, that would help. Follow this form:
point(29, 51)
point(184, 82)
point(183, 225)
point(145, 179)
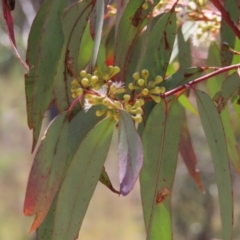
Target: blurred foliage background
point(196, 215)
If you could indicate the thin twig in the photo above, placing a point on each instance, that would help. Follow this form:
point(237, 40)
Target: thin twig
point(226, 17)
point(200, 79)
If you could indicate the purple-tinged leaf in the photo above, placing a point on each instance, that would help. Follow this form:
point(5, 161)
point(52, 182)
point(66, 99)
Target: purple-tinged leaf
point(130, 153)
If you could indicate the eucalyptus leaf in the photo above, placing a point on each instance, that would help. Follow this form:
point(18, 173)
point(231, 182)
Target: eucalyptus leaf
point(80, 181)
point(214, 132)
point(42, 59)
point(161, 138)
point(130, 152)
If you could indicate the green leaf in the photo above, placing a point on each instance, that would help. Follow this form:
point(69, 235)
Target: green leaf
point(43, 52)
point(188, 154)
point(213, 128)
point(130, 152)
point(97, 31)
point(52, 159)
point(230, 87)
point(184, 101)
point(214, 84)
point(104, 179)
point(227, 34)
point(74, 24)
point(127, 33)
point(161, 138)
point(184, 48)
point(44, 232)
point(182, 77)
point(233, 149)
point(80, 181)
point(160, 45)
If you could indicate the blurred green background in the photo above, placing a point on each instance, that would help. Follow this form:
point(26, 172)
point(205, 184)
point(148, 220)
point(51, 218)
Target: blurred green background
point(195, 215)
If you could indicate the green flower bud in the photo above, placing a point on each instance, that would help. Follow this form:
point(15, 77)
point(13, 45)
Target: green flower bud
point(126, 97)
point(83, 73)
point(100, 113)
point(137, 118)
point(145, 73)
point(136, 75)
point(156, 99)
point(85, 82)
point(141, 82)
point(158, 79)
point(145, 92)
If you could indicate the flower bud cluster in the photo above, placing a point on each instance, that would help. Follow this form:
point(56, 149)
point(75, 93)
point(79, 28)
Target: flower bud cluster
point(99, 89)
point(145, 87)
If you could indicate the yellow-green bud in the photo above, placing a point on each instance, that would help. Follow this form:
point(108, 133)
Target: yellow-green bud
point(85, 82)
point(94, 79)
point(105, 101)
point(113, 89)
point(137, 118)
point(131, 86)
point(145, 92)
point(117, 104)
point(79, 91)
point(156, 99)
point(109, 113)
point(139, 111)
point(88, 96)
point(137, 104)
point(75, 83)
point(120, 90)
point(158, 79)
point(116, 70)
point(156, 90)
point(126, 97)
point(142, 102)
point(100, 113)
point(141, 82)
point(83, 73)
point(116, 117)
point(74, 95)
point(145, 6)
point(145, 73)
point(151, 84)
point(136, 75)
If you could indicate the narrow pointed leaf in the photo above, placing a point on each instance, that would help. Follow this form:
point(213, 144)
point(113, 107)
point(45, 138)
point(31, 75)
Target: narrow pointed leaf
point(214, 84)
point(74, 25)
point(214, 132)
point(44, 232)
point(160, 45)
point(233, 148)
point(80, 181)
point(42, 58)
point(182, 77)
point(230, 87)
point(184, 101)
point(128, 31)
point(130, 152)
point(98, 30)
point(52, 159)
point(104, 179)
point(161, 138)
point(188, 154)
point(227, 34)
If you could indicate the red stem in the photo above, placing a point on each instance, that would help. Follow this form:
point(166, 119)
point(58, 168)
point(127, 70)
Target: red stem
point(226, 17)
point(200, 79)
